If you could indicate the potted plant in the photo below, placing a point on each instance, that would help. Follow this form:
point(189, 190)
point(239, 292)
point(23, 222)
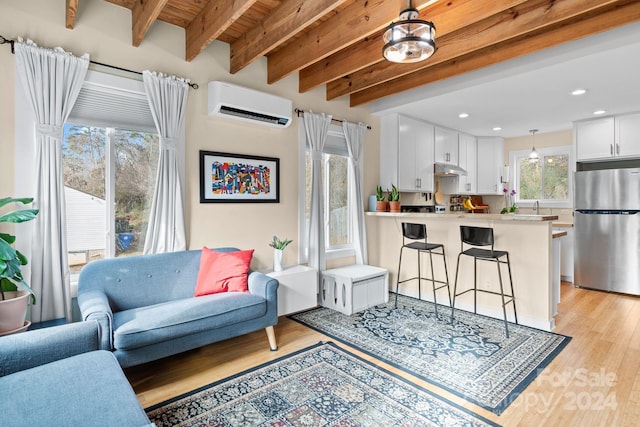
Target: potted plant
point(381, 200)
point(394, 199)
point(14, 291)
point(278, 246)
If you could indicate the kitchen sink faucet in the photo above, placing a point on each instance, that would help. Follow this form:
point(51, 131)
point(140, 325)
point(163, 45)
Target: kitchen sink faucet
point(536, 207)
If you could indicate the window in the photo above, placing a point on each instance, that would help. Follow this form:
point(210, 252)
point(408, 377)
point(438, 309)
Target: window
point(546, 180)
point(336, 176)
point(110, 156)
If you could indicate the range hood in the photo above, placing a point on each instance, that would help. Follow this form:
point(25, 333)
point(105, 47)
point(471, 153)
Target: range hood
point(447, 169)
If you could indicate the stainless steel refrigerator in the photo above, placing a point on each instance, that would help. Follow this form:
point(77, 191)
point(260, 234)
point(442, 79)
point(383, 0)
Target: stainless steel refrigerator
point(607, 230)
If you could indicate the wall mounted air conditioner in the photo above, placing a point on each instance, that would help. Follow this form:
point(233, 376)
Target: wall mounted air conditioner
point(237, 102)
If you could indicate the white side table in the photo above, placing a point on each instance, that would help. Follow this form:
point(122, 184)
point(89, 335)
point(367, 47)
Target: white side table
point(298, 288)
point(354, 288)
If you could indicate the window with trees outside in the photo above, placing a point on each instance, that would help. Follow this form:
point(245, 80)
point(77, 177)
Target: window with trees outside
point(110, 152)
point(547, 179)
point(335, 178)
point(109, 178)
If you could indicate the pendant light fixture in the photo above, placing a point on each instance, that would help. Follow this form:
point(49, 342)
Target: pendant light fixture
point(410, 39)
point(533, 156)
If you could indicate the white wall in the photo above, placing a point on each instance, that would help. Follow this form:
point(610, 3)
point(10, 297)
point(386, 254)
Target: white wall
point(104, 31)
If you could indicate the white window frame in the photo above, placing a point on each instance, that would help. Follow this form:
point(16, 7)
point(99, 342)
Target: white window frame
point(514, 162)
point(335, 252)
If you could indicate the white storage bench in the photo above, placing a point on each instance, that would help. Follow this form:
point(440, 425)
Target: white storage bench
point(353, 288)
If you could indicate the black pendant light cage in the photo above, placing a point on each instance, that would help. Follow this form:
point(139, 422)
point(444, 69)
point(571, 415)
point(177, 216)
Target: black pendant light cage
point(410, 39)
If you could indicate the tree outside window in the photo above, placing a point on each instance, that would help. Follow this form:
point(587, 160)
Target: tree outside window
point(546, 179)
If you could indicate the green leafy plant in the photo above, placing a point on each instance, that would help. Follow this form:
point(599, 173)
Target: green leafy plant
point(380, 197)
point(394, 195)
point(279, 244)
point(11, 259)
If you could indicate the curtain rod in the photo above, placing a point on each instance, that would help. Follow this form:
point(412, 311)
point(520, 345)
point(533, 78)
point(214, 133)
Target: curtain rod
point(299, 112)
point(4, 40)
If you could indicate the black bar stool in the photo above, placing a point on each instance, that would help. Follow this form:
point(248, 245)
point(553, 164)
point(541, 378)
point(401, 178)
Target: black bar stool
point(483, 236)
point(417, 232)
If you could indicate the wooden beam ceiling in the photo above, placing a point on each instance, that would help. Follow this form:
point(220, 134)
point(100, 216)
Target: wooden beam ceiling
point(71, 9)
point(338, 43)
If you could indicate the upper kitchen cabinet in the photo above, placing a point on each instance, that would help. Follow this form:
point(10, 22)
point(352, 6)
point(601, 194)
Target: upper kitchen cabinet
point(406, 153)
point(446, 145)
point(595, 139)
point(490, 165)
point(467, 160)
point(607, 138)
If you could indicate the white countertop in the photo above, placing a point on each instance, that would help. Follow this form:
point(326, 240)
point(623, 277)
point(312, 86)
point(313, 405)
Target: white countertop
point(466, 216)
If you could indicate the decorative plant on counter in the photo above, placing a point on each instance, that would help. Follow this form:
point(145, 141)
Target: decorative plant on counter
point(279, 244)
point(394, 195)
point(509, 202)
point(379, 194)
point(11, 259)
point(381, 200)
point(394, 199)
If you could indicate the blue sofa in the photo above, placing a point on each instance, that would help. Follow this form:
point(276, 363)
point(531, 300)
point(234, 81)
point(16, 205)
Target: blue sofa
point(146, 309)
point(58, 377)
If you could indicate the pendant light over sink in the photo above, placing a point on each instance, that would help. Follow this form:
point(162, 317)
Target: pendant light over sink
point(410, 39)
point(533, 155)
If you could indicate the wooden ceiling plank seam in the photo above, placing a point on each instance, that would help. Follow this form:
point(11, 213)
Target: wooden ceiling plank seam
point(71, 8)
point(211, 22)
point(143, 14)
point(512, 23)
point(620, 14)
point(289, 18)
point(448, 17)
point(359, 19)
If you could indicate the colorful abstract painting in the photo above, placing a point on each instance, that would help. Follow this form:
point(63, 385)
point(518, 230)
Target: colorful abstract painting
point(229, 177)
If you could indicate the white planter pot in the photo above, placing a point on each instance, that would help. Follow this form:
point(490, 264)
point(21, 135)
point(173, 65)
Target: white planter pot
point(277, 259)
point(13, 310)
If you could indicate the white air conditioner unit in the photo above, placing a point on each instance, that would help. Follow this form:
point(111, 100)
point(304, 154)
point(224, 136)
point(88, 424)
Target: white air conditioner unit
point(242, 103)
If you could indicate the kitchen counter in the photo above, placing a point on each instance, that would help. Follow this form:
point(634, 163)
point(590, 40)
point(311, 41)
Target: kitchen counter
point(467, 216)
point(528, 238)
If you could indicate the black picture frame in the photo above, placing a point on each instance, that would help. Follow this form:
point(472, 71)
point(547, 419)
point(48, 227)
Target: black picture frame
point(238, 178)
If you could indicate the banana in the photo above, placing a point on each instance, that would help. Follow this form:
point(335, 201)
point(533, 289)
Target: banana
point(467, 204)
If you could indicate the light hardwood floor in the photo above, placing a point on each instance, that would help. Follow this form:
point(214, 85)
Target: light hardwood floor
point(594, 381)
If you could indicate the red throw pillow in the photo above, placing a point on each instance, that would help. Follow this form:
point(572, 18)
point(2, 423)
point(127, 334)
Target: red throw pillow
point(223, 272)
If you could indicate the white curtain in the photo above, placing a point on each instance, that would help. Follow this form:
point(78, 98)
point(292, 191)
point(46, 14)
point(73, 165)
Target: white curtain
point(316, 127)
point(354, 134)
point(168, 102)
point(51, 79)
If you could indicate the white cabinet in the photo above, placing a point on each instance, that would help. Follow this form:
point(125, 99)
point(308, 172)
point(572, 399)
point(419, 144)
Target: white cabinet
point(595, 139)
point(298, 288)
point(354, 288)
point(446, 145)
point(608, 138)
point(628, 135)
point(406, 154)
point(467, 160)
point(490, 165)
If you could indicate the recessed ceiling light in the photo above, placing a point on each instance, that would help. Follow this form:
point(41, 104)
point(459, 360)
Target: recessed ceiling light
point(497, 128)
point(463, 115)
point(578, 92)
point(598, 112)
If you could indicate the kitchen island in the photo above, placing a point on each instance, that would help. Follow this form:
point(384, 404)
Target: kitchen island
point(528, 238)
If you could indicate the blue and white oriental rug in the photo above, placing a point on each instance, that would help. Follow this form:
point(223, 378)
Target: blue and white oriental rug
point(320, 385)
point(470, 357)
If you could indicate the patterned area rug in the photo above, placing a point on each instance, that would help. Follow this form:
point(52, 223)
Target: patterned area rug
point(320, 385)
point(471, 357)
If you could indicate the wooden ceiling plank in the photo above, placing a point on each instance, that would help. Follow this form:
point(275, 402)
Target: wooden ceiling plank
point(621, 14)
point(143, 14)
point(289, 18)
point(211, 22)
point(515, 22)
point(361, 18)
point(446, 16)
point(71, 9)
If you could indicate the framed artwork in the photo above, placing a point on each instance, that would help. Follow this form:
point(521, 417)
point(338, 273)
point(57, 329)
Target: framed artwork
point(238, 178)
